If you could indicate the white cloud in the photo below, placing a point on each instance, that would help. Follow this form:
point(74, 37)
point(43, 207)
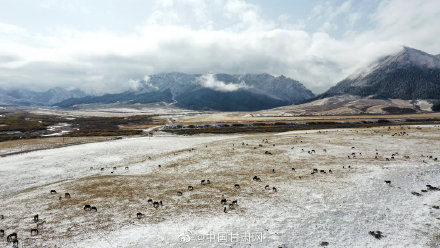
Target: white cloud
point(209, 81)
point(73, 6)
point(6, 28)
point(186, 36)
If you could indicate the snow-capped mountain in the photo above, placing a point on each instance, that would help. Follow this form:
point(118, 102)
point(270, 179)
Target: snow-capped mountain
point(209, 92)
point(408, 74)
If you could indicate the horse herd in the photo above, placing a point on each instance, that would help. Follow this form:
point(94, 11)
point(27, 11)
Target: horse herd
point(228, 204)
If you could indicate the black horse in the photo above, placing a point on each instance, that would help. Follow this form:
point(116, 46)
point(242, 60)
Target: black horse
point(12, 237)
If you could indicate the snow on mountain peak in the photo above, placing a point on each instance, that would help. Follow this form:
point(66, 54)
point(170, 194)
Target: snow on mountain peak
point(415, 57)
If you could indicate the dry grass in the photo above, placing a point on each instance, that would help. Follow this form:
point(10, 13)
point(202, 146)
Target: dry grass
point(119, 197)
point(45, 143)
point(245, 118)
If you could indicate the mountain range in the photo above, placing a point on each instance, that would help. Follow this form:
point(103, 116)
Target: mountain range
point(24, 97)
point(409, 74)
point(222, 92)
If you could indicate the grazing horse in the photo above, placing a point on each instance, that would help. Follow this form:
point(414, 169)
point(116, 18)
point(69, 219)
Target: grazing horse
point(87, 207)
point(36, 218)
point(430, 187)
point(268, 153)
point(53, 192)
point(139, 215)
point(150, 200)
point(67, 195)
point(34, 232)
point(376, 234)
point(256, 179)
point(11, 237)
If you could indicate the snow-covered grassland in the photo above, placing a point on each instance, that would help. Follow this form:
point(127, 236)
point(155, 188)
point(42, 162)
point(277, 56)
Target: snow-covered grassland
point(339, 208)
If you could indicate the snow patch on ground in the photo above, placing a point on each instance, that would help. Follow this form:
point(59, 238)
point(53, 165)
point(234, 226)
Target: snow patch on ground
point(339, 208)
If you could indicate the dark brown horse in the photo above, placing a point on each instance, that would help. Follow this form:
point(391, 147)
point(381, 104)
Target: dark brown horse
point(12, 237)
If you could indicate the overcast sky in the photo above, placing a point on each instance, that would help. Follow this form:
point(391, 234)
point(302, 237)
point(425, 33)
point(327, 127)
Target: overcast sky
point(103, 45)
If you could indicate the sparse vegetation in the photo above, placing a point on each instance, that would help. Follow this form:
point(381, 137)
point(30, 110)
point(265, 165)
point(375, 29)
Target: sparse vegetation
point(25, 125)
point(284, 127)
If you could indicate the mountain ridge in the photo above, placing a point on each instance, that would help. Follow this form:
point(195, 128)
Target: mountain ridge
point(24, 97)
point(410, 74)
point(223, 92)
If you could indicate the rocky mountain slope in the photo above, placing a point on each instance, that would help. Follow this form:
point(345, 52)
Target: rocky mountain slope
point(410, 74)
point(222, 92)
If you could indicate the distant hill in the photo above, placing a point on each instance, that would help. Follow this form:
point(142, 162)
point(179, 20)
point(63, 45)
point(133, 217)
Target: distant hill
point(356, 105)
point(23, 97)
point(410, 75)
point(222, 92)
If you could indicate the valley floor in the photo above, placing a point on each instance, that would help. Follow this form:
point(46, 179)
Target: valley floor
point(120, 176)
